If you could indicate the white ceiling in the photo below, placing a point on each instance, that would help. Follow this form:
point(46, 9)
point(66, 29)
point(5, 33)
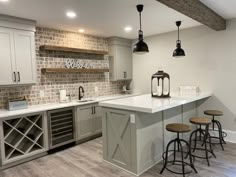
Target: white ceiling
point(98, 17)
point(225, 8)
point(107, 17)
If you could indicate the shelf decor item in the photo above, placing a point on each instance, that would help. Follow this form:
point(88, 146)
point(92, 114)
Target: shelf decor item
point(140, 47)
point(160, 85)
point(17, 104)
point(178, 52)
point(72, 63)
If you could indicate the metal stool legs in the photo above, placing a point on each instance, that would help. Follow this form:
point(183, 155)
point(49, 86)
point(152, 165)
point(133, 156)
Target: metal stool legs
point(206, 136)
point(179, 143)
point(221, 134)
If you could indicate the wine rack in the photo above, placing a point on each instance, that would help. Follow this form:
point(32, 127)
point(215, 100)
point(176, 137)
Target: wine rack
point(22, 136)
point(61, 124)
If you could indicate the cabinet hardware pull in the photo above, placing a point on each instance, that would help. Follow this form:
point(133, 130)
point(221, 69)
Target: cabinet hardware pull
point(18, 76)
point(14, 76)
point(125, 74)
point(94, 108)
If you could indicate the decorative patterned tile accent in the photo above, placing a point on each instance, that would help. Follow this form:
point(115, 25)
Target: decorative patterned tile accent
point(52, 83)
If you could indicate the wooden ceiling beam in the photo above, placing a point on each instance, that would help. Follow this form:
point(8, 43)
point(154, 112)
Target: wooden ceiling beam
point(198, 11)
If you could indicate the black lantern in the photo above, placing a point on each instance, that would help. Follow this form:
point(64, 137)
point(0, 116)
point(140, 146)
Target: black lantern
point(160, 85)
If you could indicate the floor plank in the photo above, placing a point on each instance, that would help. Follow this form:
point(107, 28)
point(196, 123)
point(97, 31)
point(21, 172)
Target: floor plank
point(85, 160)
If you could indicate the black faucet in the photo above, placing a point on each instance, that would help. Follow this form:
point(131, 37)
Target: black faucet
point(81, 92)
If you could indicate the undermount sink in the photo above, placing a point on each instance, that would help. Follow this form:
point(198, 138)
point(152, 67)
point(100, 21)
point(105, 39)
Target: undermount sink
point(83, 101)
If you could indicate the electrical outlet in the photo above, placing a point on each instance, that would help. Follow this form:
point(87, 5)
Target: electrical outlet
point(132, 118)
point(96, 89)
point(41, 93)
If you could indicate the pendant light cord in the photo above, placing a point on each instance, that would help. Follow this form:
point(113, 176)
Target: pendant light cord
point(140, 21)
point(178, 33)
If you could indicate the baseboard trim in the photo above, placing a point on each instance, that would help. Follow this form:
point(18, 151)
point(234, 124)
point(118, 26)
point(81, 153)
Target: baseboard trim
point(3, 167)
point(231, 136)
point(148, 168)
point(119, 167)
point(140, 173)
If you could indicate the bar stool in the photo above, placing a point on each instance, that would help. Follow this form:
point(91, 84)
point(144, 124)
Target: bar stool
point(178, 128)
point(221, 134)
point(201, 121)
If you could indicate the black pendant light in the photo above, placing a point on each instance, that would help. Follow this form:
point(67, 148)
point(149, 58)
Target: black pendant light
point(140, 47)
point(178, 52)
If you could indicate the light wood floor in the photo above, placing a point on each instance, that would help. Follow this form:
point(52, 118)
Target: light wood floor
point(85, 160)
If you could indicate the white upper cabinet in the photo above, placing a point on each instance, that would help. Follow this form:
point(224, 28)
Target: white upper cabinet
point(120, 53)
point(25, 57)
point(17, 53)
point(7, 75)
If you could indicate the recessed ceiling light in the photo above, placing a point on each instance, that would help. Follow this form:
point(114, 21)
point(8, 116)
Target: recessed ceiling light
point(81, 30)
point(71, 14)
point(4, 0)
point(128, 28)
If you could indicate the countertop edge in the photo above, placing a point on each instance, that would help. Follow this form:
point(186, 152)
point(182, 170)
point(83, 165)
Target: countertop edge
point(185, 100)
point(51, 106)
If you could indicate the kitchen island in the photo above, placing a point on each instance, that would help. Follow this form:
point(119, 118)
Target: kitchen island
point(134, 135)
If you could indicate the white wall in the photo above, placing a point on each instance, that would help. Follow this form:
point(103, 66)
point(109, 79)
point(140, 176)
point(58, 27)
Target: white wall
point(210, 63)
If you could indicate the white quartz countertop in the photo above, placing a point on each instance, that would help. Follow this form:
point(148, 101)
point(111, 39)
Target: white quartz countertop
point(148, 104)
point(45, 107)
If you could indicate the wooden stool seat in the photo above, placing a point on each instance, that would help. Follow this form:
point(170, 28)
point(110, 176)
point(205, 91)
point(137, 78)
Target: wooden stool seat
point(213, 113)
point(178, 144)
point(200, 120)
point(178, 128)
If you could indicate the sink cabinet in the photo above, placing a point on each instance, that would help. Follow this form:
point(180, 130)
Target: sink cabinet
point(89, 121)
point(22, 137)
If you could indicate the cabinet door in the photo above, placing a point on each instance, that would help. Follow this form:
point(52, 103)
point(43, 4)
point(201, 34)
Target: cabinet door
point(25, 57)
point(112, 63)
point(124, 62)
point(86, 121)
point(98, 119)
point(7, 57)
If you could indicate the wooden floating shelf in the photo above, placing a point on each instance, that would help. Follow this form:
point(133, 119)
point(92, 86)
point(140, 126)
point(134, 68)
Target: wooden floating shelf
point(66, 70)
point(71, 49)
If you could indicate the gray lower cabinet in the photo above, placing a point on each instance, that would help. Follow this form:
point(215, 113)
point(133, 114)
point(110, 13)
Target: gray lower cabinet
point(22, 137)
point(89, 121)
point(98, 119)
point(119, 139)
